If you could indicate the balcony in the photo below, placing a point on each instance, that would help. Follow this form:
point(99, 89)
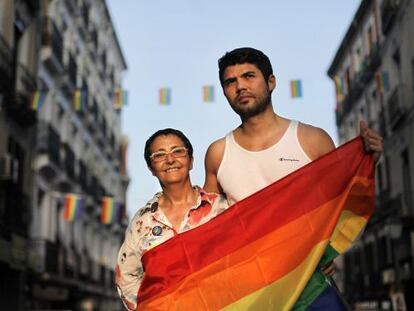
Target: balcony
point(69, 81)
point(44, 256)
point(51, 53)
point(371, 64)
point(48, 149)
point(389, 10)
point(6, 68)
point(69, 162)
point(71, 6)
point(18, 107)
point(396, 108)
point(17, 210)
point(92, 116)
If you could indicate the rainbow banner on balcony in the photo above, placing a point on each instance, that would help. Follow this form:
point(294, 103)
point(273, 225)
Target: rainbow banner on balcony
point(36, 100)
point(208, 93)
point(73, 207)
point(120, 98)
point(340, 88)
point(79, 100)
point(261, 252)
point(296, 88)
point(110, 210)
point(383, 81)
point(165, 96)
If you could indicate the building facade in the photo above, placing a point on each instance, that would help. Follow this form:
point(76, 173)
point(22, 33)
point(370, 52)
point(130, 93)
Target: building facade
point(61, 67)
point(373, 73)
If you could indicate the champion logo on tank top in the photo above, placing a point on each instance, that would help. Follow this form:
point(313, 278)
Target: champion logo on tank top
point(287, 159)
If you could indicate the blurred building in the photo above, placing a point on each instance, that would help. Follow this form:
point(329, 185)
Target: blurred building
point(373, 72)
point(61, 67)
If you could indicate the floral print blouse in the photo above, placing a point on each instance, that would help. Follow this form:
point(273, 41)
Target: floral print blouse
point(149, 228)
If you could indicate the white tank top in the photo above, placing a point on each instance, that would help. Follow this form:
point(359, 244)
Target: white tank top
point(243, 172)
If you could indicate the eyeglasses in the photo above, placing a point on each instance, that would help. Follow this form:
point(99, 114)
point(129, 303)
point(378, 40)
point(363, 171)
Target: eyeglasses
point(177, 152)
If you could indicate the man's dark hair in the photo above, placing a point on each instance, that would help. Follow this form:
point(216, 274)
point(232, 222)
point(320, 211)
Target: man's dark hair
point(165, 132)
point(245, 55)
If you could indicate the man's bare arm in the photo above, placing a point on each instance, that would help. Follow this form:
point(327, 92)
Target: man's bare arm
point(212, 162)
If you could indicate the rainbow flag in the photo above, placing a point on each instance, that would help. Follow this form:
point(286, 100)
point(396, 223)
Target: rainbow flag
point(165, 96)
point(383, 82)
point(261, 252)
point(208, 93)
point(340, 88)
point(110, 210)
point(296, 88)
point(36, 100)
point(120, 98)
point(73, 207)
point(79, 100)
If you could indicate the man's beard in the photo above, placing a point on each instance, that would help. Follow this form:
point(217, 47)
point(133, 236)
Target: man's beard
point(249, 112)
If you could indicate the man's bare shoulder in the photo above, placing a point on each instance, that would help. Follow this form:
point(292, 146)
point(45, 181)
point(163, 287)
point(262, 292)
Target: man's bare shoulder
point(215, 151)
point(314, 140)
point(212, 161)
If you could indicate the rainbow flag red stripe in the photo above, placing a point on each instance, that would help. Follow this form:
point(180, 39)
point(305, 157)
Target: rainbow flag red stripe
point(73, 207)
point(208, 93)
point(261, 252)
point(110, 210)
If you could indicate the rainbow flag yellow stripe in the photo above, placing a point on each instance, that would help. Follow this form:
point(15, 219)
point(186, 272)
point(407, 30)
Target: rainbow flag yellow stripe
point(73, 207)
point(296, 88)
point(261, 252)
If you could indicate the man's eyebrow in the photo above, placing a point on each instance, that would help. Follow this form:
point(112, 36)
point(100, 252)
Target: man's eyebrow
point(228, 80)
point(247, 73)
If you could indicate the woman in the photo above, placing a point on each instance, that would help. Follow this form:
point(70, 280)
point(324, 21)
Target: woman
point(177, 208)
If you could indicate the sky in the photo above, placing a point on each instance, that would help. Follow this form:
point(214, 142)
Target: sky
point(176, 44)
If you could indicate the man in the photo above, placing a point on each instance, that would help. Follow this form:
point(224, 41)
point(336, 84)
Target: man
point(267, 147)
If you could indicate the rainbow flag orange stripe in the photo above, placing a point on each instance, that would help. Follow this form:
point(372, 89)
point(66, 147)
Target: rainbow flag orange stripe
point(262, 251)
point(37, 99)
point(296, 88)
point(110, 210)
point(120, 98)
point(208, 93)
point(73, 207)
